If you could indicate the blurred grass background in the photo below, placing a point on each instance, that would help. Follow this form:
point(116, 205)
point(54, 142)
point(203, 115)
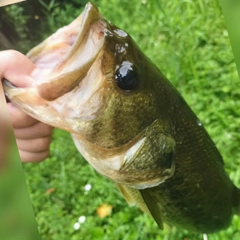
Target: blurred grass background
point(231, 11)
point(188, 41)
point(17, 220)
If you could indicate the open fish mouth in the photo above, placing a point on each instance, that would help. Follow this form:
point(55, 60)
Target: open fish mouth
point(65, 60)
point(78, 90)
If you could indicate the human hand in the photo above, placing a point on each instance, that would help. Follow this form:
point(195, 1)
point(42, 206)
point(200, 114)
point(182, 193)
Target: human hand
point(33, 137)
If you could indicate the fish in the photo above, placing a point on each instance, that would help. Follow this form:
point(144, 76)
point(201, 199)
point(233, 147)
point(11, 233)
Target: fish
point(130, 123)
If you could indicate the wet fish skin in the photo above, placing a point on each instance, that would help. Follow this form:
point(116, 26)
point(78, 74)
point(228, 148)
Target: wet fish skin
point(140, 133)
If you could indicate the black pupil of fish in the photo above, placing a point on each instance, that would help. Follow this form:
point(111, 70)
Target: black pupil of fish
point(126, 78)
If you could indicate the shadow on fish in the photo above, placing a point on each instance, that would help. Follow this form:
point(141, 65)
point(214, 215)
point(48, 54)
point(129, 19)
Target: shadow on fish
point(129, 123)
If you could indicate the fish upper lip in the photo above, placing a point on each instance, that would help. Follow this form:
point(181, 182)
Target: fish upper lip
point(66, 56)
point(85, 20)
point(75, 31)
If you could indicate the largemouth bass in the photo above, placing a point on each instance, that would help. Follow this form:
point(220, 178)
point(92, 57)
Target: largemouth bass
point(129, 123)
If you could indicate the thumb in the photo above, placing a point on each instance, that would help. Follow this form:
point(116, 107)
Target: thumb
point(16, 68)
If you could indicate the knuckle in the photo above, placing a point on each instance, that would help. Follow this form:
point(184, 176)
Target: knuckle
point(20, 119)
point(45, 154)
point(44, 129)
point(44, 143)
point(28, 157)
point(34, 145)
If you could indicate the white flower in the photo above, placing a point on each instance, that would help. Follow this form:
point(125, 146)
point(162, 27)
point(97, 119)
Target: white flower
point(76, 225)
point(87, 187)
point(82, 219)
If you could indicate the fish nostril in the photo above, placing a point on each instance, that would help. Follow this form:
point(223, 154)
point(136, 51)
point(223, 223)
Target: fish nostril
point(100, 35)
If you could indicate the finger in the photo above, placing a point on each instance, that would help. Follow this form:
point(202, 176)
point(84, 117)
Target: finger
point(16, 68)
point(37, 130)
point(19, 118)
point(35, 145)
point(33, 157)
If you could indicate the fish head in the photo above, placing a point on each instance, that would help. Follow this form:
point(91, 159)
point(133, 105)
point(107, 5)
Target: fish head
point(95, 83)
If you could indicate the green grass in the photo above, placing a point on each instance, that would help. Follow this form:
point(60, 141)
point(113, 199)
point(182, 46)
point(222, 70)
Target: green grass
point(189, 42)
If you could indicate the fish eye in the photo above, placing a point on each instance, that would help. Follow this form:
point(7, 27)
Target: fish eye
point(126, 77)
